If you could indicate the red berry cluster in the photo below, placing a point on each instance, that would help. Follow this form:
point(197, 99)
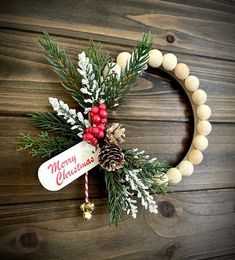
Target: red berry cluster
point(98, 116)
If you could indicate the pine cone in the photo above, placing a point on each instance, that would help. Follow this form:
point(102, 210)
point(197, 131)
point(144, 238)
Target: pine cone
point(111, 157)
point(115, 134)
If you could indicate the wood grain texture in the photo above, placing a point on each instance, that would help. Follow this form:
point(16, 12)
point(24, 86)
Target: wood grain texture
point(27, 80)
point(200, 27)
point(168, 141)
point(196, 221)
point(186, 227)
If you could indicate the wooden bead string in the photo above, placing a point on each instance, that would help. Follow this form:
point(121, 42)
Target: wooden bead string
point(201, 111)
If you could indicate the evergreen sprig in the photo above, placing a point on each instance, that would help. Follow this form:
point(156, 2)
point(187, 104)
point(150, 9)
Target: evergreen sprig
point(63, 66)
point(116, 94)
point(98, 58)
point(152, 172)
point(114, 90)
point(138, 177)
point(116, 196)
point(53, 123)
point(44, 145)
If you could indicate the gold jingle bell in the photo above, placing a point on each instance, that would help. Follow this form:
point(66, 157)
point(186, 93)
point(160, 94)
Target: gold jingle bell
point(87, 208)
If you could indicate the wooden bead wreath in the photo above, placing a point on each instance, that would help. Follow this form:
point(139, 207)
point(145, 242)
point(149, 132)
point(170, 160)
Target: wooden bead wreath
point(197, 97)
point(98, 85)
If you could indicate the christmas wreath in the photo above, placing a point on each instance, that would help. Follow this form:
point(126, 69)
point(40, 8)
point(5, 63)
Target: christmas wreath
point(99, 84)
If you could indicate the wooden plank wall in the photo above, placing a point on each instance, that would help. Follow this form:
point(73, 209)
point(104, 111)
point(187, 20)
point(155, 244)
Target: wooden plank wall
point(196, 221)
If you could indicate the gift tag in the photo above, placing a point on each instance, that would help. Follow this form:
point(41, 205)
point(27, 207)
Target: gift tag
point(67, 166)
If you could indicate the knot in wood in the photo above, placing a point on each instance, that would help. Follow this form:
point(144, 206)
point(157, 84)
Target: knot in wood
point(170, 38)
point(166, 209)
point(29, 240)
point(170, 251)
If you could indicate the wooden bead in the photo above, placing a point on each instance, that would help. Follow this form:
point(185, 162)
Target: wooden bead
point(204, 127)
point(203, 112)
point(186, 168)
point(169, 61)
point(195, 157)
point(191, 83)
point(174, 175)
point(181, 71)
point(200, 142)
point(162, 180)
point(155, 58)
point(122, 59)
point(115, 69)
point(199, 97)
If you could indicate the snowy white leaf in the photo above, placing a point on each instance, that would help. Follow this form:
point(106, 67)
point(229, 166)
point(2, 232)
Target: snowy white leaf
point(70, 115)
point(88, 100)
point(87, 123)
point(74, 127)
point(80, 117)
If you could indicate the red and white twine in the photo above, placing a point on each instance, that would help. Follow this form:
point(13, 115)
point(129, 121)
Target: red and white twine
point(86, 188)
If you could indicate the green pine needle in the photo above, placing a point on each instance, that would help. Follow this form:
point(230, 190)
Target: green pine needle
point(116, 90)
point(98, 59)
point(53, 123)
point(63, 66)
point(115, 184)
point(44, 145)
point(116, 196)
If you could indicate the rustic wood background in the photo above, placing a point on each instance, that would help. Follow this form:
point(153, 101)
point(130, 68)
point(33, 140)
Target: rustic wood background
point(197, 220)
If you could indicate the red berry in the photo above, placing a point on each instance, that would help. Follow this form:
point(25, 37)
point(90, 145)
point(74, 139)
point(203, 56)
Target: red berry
point(84, 137)
point(95, 142)
point(89, 130)
point(94, 109)
point(96, 119)
point(91, 114)
point(102, 106)
point(95, 130)
point(89, 137)
point(101, 127)
point(103, 120)
point(103, 113)
point(100, 134)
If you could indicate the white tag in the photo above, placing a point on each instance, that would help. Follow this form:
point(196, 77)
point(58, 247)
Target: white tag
point(67, 166)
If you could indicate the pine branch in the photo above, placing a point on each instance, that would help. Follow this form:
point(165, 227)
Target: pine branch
point(151, 170)
point(156, 172)
point(44, 145)
point(118, 90)
point(110, 88)
point(136, 178)
point(63, 66)
point(98, 59)
point(53, 123)
point(116, 196)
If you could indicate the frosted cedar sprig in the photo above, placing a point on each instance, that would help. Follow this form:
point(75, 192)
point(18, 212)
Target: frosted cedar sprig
point(90, 85)
point(75, 119)
point(130, 204)
point(142, 190)
point(139, 177)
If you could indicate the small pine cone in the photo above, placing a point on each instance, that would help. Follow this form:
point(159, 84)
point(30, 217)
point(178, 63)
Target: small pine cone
point(115, 134)
point(111, 157)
